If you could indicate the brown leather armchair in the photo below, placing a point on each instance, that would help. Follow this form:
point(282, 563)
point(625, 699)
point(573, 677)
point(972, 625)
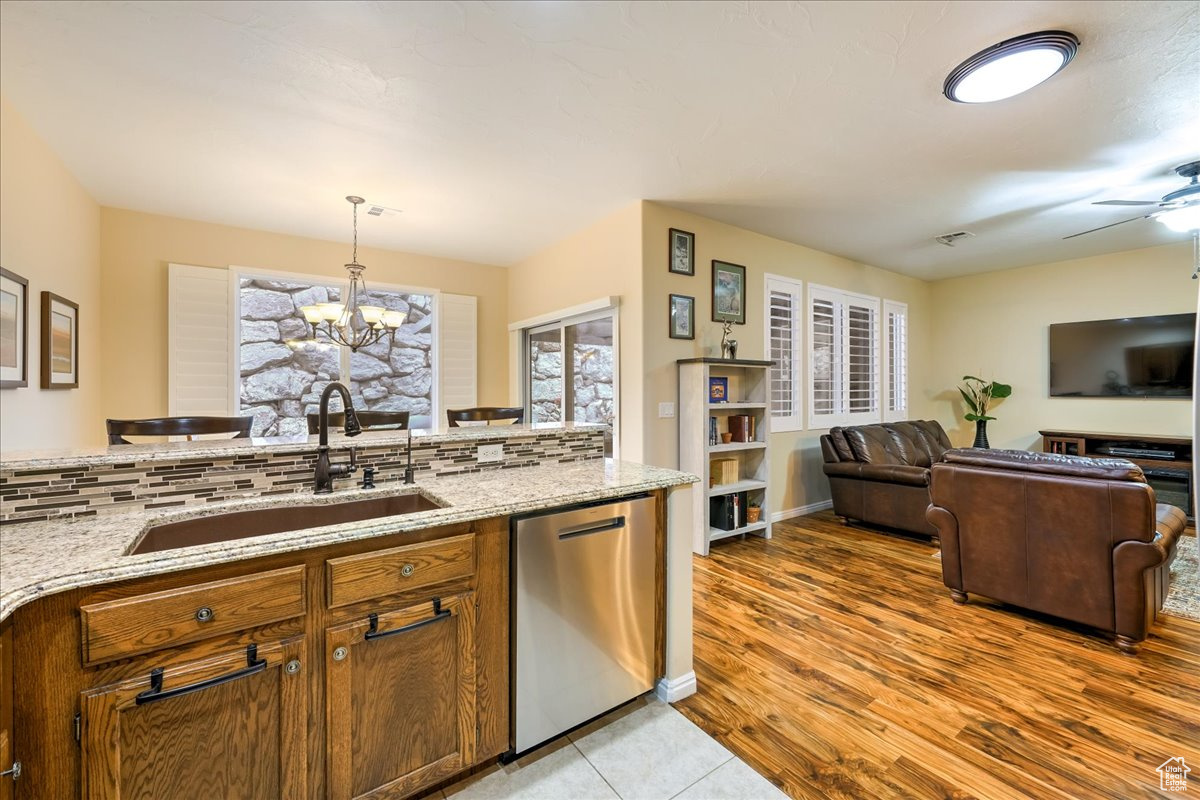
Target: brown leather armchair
point(1078, 538)
point(880, 473)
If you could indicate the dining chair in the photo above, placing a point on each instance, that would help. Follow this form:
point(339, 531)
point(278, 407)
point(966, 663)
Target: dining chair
point(177, 426)
point(486, 414)
point(367, 420)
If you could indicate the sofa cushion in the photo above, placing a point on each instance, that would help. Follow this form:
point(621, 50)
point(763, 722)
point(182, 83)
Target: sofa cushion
point(917, 443)
point(837, 436)
point(875, 444)
point(1113, 469)
point(929, 439)
point(882, 473)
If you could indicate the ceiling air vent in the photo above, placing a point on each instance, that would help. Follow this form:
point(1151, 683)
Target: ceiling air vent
point(376, 210)
point(949, 239)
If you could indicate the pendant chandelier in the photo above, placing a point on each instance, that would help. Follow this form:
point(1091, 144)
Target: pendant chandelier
point(349, 323)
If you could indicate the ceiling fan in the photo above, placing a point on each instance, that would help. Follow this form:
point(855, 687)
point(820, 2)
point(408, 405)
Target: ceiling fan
point(1186, 198)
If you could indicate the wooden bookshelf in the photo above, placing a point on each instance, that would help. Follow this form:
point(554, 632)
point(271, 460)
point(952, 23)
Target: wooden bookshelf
point(747, 394)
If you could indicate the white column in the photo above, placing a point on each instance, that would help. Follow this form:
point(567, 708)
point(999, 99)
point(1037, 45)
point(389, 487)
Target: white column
point(680, 679)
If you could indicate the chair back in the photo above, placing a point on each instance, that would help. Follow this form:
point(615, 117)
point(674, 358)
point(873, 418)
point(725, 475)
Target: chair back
point(367, 420)
point(486, 414)
point(177, 426)
point(1038, 530)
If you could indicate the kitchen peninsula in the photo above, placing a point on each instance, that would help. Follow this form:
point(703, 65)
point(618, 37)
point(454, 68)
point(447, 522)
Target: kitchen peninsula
point(263, 638)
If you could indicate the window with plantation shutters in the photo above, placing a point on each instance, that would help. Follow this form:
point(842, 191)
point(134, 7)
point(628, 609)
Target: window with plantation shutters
point(784, 298)
point(844, 367)
point(895, 363)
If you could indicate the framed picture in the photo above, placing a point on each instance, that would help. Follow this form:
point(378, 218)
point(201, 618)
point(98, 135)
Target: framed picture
point(60, 342)
point(683, 316)
point(681, 255)
point(14, 330)
point(728, 293)
point(718, 390)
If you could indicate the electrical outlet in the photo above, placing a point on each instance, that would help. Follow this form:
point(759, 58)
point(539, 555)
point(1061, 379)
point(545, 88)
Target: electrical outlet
point(666, 410)
point(489, 452)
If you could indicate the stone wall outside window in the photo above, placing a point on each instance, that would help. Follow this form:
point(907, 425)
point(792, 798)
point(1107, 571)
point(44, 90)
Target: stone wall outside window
point(283, 372)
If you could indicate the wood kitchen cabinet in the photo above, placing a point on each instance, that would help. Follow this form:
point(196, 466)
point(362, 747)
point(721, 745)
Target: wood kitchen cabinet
point(401, 698)
point(425, 699)
point(228, 726)
point(8, 756)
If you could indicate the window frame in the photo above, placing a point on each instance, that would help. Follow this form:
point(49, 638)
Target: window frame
point(795, 289)
point(841, 300)
point(238, 273)
point(890, 414)
point(588, 312)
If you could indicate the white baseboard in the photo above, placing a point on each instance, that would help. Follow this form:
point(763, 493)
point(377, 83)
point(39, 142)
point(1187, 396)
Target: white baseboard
point(800, 511)
point(671, 689)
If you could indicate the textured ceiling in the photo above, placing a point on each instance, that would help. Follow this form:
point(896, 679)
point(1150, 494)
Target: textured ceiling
point(499, 128)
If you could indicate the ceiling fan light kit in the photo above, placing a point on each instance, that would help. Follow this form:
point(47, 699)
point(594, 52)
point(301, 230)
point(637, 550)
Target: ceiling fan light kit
point(1010, 67)
point(1181, 220)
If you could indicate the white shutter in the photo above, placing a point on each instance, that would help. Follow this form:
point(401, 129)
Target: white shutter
point(457, 353)
point(783, 301)
point(895, 366)
point(862, 357)
point(844, 358)
point(199, 331)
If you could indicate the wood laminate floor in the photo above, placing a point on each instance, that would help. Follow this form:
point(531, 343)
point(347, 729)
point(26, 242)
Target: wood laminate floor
point(832, 660)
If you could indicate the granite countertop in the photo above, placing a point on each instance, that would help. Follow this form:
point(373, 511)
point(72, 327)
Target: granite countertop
point(20, 460)
point(40, 558)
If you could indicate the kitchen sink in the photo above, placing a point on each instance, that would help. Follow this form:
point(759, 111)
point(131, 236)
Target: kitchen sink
point(262, 521)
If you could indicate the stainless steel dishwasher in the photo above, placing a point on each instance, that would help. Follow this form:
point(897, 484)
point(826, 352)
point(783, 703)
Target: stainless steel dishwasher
point(583, 617)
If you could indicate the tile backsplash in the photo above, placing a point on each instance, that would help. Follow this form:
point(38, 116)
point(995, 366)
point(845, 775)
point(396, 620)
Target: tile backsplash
point(87, 489)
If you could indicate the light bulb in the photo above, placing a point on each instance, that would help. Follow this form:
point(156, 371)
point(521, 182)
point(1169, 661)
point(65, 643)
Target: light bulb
point(312, 314)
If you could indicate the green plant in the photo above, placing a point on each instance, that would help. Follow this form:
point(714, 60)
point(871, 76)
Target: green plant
point(978, 394)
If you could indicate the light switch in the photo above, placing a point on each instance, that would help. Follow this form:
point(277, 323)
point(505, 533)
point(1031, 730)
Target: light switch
point(666, 410)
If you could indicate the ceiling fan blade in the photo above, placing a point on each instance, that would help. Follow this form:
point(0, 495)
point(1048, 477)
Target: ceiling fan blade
point(1127, 203)
point(1102, 227)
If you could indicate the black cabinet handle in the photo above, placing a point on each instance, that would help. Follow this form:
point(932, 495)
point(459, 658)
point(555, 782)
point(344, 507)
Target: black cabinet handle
point(253, 665)
point(373, 632)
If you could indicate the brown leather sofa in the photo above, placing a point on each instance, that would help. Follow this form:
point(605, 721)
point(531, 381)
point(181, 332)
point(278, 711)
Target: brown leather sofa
point(880, 473)
point(1078, 538)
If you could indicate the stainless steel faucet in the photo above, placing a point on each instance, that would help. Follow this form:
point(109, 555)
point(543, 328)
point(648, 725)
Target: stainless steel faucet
point(325, 472)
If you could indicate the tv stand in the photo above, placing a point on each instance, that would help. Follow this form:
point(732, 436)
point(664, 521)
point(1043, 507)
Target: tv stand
point(1166, 460)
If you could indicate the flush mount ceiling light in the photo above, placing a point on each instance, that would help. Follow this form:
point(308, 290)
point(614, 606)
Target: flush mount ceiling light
point(1011, 67)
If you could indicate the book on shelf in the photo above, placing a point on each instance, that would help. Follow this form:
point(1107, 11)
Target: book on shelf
point(712, 430)
point(742, 427)
point(727, 512)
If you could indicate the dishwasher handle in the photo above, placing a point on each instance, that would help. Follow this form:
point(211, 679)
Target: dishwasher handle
point(616, 523)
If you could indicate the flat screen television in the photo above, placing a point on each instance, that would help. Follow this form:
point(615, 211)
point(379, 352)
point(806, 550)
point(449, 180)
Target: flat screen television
point(1127, 357)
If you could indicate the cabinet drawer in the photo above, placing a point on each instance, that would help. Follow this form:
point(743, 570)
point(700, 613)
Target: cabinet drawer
point(133, 625)
point(399, 569)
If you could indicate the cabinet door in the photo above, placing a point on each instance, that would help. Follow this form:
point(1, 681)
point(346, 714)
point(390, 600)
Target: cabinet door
point(7, 750)
point(401, 699)
point(230, 726)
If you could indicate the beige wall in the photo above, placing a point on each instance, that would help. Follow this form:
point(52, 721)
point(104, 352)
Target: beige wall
point(135, 249)
point(994, 325)
point(796, 474)
point(50, 235)
point(601, 260)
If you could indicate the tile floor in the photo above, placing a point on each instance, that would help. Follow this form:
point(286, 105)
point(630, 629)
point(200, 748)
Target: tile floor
point(645, 750)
